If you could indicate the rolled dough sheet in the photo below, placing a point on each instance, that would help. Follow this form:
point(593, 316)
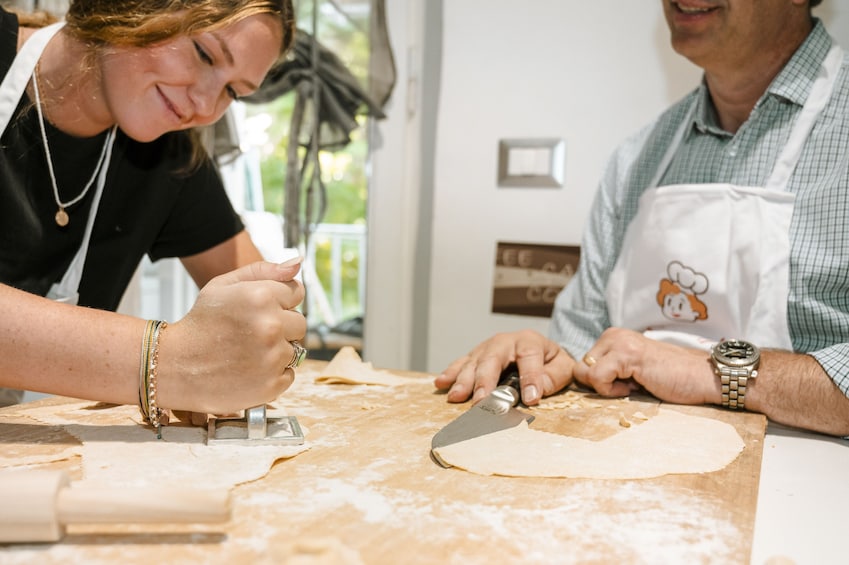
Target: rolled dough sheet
point(669, 443)
point(347, 367)
point(116, 449)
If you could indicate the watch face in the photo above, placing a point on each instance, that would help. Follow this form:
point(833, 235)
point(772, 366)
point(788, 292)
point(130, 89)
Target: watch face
point(736, 353)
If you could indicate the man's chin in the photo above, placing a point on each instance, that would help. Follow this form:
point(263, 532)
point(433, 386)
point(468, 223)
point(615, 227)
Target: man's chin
point(693, 49)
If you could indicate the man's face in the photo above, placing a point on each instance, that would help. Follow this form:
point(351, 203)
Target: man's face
point(718, 33)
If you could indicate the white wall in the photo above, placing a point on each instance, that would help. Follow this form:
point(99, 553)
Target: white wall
point(589, 72)
point(393, 192)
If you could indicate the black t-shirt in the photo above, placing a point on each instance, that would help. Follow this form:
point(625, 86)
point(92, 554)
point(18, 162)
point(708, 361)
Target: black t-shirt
point(147, 207)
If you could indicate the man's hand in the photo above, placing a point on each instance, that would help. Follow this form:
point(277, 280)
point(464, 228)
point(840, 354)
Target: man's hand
point(622, 361)
point(544, 367)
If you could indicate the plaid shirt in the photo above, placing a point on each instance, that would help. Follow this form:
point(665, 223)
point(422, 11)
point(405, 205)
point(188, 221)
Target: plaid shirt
point(818, 301)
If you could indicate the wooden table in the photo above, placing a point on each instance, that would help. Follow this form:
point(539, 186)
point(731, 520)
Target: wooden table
point(367, 491)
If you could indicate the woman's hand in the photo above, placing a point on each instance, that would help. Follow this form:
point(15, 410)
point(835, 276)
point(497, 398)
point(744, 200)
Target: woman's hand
point(231, 351)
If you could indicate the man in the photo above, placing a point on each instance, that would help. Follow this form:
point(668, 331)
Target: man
point(715, 264)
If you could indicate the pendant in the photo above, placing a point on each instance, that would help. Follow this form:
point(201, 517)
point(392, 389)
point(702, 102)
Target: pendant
point(62, 218)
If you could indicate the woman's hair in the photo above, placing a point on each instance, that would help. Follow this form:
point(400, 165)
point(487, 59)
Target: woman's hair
point(139, 23)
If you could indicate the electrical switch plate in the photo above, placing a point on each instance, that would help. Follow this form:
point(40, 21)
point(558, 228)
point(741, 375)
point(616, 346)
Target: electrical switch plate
point(533, 163)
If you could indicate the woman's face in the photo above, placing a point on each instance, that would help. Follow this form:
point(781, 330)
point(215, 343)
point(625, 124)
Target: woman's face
point(188, 81)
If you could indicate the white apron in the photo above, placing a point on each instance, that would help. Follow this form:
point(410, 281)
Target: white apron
point(704, 262)
point(11, 89)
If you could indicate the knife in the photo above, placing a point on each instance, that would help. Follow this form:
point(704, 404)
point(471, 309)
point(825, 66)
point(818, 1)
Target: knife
point(494, 413)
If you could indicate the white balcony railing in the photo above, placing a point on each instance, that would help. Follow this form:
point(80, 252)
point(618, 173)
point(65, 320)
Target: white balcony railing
point(346, 244)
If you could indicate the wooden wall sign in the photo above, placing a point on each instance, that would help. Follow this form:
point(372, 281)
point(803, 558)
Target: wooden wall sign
point(529, 276)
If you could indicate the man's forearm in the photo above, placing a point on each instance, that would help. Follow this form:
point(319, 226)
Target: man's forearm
point(793, 389)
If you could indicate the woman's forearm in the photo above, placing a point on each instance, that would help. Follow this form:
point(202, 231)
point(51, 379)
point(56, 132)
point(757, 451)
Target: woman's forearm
point(67, 350)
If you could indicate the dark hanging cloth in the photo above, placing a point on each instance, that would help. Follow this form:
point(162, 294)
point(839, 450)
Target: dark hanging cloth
point(326, 90)
point(341, 98)
point(381, 71)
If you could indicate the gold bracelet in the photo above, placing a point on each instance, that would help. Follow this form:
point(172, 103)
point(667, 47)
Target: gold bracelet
point(144, 370)
point(150, 409)
point(158, 416)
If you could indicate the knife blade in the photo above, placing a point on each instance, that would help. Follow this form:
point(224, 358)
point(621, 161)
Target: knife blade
point(494, 413)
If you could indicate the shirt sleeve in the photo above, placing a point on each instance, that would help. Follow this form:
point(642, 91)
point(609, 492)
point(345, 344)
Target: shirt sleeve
point(580, 311)
point(833, 361)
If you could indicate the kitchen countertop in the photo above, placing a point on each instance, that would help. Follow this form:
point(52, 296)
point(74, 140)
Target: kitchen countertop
point(366, 491)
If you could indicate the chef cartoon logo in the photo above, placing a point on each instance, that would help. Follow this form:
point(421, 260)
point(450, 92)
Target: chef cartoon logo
point(678, 294)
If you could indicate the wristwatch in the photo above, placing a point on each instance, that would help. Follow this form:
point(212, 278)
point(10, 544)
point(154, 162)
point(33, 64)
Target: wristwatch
point(735, 362)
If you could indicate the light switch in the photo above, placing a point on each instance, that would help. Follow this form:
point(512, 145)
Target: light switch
point(531, 162)
point(528, 161)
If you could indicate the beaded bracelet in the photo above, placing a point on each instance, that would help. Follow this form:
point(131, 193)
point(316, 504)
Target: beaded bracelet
point(150, 410)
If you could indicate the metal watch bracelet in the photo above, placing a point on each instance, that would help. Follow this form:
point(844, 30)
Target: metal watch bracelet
point(734, 381)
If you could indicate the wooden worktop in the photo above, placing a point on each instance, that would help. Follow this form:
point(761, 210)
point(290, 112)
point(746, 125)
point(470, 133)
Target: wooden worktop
point(367, 492)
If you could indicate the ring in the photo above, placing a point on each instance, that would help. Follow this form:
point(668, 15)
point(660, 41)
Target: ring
point(589, 360)
point(298, 356)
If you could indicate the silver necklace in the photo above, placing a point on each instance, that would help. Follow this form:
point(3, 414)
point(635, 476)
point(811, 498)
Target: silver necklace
point(61, 216)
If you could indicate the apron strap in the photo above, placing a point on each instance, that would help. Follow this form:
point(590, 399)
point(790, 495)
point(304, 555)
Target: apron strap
point(686, 124)
point(67, 290)
point(817, 99)
point(15, 81)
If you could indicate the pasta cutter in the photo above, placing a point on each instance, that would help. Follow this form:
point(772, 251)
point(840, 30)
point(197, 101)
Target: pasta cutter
point(255, 428)
point(494, 413)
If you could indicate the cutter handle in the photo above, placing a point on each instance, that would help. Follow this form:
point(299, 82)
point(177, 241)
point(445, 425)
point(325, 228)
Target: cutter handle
point(257, 419)
point(508, 385)
point(510, 376)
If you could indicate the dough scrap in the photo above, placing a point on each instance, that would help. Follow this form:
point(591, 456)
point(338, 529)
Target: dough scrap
point(33, 445)
point(669, 443)
point(15, 457)
point(347, 367)
point(116, 449)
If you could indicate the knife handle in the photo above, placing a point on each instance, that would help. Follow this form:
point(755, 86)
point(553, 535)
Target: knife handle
point(510, 376)
point(508, 384)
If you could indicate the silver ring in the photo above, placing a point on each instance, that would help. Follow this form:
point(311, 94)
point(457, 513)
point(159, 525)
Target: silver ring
point(298, 356)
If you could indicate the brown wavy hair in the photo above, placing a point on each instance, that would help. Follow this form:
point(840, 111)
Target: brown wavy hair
point(140, 23)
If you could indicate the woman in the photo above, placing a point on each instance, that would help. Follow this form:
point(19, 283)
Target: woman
point(99, 127)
